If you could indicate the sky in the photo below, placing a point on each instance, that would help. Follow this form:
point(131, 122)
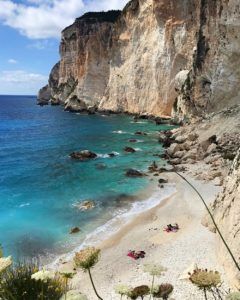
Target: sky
point(30, 32)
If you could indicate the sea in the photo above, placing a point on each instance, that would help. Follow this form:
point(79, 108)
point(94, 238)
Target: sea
point(41, 186)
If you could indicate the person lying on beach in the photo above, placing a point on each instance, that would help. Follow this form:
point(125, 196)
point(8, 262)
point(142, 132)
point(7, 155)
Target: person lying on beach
point(172, 228)
point(136, 255)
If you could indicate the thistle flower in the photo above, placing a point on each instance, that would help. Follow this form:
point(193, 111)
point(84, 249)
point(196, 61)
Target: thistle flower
point(205, 279)
point(164, 291)
point(141, 291)
point(87, 258)
point(154, 269)
point(5, 262)
point(43, 275)
point(123, 290)
point(74, 295)
point(233, 296)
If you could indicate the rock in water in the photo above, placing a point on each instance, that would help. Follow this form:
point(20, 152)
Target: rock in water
point(129, 149)
point(83, 155)
point(44, 95)
point(140, 133)
point(84, 205)
point(74, 230)
point(134, 173)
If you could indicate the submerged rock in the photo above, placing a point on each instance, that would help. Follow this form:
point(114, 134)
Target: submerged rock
point(83, 155)
point(134, 173)
point(162, 180)
point(75, 230)
point(101, 166)
point(140, 133)
point(112, 154)
point(153, 167)
point(129, 149)
point(85, 205)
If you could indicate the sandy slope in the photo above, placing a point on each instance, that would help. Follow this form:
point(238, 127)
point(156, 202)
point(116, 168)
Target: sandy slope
point(175, 251)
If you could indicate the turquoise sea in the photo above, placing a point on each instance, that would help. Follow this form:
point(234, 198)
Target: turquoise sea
point(39, 183)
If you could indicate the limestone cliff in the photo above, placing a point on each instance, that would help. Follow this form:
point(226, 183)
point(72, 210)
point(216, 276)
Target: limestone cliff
point(154, 57)
point(226, 211)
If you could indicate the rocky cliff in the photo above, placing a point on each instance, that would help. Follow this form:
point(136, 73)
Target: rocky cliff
point(156, 57)
point(227, 214)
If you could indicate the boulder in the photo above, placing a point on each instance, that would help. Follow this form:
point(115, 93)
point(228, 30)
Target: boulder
point(134, 173)
point(175, 161)
point(83, 155)
point(192, 154)
point(211, 148)
point(173, 149)
point(179, 154)
point(140, 133)
point(192, 136)
point(153, 167)
point(75, 230)
point(84, 205)
point(181, 139)
point(129, 149)
point(186, 146)
point(162, 180)
point(132, 140)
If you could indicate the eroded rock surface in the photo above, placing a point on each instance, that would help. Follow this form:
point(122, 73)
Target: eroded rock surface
point(155, 57)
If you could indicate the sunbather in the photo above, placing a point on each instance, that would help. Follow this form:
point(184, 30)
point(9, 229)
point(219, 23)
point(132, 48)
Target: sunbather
point(172, 228)
point(136, 255)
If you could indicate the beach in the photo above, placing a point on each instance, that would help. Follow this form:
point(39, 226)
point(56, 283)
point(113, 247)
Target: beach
point(193, 243)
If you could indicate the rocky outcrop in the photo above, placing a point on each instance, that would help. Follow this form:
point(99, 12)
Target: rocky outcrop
point(44, 95)
point(83, 155)
point(155, 57)
point(213, 80)
point(48, 94)
point(226, 210)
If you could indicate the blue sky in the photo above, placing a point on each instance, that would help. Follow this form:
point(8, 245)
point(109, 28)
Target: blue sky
point(30, 34)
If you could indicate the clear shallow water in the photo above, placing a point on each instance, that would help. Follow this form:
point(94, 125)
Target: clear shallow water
point(39, 183)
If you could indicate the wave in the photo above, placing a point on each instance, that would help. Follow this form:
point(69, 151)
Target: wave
point(23, 205)
point(138, 122)
point(107, 155)
point(120, 218)
point(119, 132)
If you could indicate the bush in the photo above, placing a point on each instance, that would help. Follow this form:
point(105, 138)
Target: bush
point(16, 283)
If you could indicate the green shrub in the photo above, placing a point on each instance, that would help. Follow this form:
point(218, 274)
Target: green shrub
point(16, 283)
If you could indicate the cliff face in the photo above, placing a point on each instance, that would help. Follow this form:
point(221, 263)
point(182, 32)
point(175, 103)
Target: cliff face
point(214, 78)
point(226, 210)
point(156, 57)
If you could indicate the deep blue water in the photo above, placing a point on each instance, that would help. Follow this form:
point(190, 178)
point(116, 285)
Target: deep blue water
point(39, 182)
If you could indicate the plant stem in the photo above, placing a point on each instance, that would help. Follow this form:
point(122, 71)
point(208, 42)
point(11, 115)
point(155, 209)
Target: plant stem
point(205, 293)
point(94, 288)
point(66, 288)
point(151, 288)
point(42, 291)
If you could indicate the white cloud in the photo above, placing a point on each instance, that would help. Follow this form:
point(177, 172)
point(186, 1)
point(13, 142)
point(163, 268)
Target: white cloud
point(12, 61)
point(41, 45)
point(21, 82)
point(41, 19)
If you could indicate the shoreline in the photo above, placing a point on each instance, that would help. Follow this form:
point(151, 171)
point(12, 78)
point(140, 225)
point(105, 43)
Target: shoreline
point(145, 232)
point(146, 200)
